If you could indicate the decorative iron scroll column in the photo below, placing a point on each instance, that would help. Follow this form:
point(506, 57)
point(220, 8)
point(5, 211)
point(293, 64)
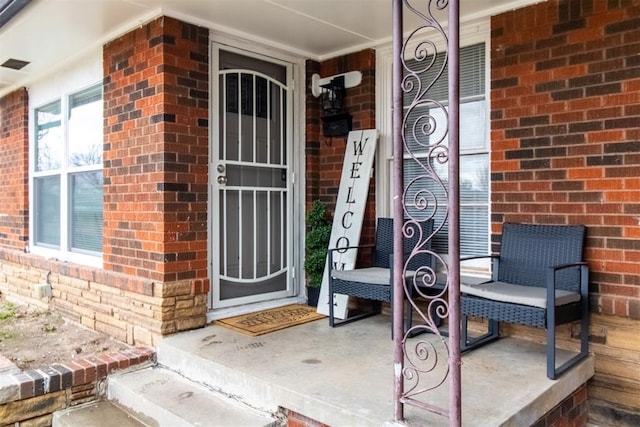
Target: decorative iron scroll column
point(426, 144)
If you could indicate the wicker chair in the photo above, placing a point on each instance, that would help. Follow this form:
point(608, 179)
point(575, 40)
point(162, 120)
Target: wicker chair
point(374, 283)
point(539, 266)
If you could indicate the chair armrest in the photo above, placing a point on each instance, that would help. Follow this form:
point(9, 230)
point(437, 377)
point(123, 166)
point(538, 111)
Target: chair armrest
point(551, 279)
point(467, 258)
point(343, 249)
point(568, 265)
point(350, 247)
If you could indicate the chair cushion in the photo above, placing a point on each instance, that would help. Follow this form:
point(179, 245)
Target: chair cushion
point(381, 276)
point(373, 275)
point(533, 296)
point(441, 279)
point(473, 280)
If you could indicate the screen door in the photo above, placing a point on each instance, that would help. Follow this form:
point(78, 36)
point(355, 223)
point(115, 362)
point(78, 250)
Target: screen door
point(251, 227)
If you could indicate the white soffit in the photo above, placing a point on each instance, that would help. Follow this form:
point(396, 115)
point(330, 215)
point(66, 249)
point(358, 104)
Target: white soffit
point(48, 33)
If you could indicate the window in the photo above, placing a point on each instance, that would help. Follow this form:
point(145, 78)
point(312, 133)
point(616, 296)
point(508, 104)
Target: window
point(67, 175)
point(474, 157)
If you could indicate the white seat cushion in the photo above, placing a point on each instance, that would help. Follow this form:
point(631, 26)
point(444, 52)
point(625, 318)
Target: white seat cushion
point(381, 276)
point(533, 296)
point(373, 275)
point(466, 280)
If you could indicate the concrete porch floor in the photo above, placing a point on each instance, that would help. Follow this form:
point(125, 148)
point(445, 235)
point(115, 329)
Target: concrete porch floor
point(344, 376)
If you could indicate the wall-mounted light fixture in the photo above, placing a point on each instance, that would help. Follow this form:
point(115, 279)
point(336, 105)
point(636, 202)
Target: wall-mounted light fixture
point(332, 96)
point(335, 121)
point(331, 90)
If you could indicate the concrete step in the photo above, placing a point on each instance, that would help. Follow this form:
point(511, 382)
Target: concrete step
point(180, 354)
point(172, 400)
point(291, 369)
point(97, 414)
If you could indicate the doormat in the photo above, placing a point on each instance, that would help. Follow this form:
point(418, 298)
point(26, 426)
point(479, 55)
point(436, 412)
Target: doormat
point(266, 321)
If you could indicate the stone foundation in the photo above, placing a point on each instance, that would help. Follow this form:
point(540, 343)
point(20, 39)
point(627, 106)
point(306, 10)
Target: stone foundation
point(130, 309)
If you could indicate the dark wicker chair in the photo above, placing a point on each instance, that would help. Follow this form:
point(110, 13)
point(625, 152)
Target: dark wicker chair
point(374, 283)
point(539, 266)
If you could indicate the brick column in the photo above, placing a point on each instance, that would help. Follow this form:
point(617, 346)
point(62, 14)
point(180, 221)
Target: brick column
point(14, 172)
point(156, 91)
point(313, 130)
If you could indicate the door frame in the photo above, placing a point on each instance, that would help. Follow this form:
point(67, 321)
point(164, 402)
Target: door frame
point(297, 142)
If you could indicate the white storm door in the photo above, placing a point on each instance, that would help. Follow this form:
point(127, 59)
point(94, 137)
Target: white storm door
point(251, 180)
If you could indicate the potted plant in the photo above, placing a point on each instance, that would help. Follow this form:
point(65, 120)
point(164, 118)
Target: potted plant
point(316, 245)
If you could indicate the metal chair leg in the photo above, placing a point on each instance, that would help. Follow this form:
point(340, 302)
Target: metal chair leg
point(467, 343)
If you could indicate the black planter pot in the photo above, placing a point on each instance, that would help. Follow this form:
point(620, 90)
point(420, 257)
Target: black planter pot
point(312, 296)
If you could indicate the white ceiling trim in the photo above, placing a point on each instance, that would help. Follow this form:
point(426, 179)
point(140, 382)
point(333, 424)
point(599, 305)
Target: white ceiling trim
point(53, 33)
point(238, 35)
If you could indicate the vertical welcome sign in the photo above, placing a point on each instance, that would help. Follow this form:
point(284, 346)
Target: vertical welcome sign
point(349, 212)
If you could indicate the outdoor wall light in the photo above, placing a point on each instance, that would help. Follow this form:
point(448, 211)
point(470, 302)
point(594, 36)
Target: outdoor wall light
point(335, 121)
point(333, 95)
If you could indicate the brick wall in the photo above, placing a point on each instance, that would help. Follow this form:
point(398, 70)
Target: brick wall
point(313, 136)
point(31, 397)
point(565, 135)
point(295, 419)
point(155, 278)
point(565, 101)
point(325, 156)
point(156, 93)
point(571, 412)
point(14, 152)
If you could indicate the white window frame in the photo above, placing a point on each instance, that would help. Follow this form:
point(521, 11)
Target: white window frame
point(472, 32)
point(84, 74)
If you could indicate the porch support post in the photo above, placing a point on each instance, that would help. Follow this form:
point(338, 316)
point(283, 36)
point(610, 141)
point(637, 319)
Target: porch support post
point(455, 398)
point(398, 214)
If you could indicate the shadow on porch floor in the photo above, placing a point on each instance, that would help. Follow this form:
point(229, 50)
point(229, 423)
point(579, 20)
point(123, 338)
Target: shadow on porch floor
point(344, 376)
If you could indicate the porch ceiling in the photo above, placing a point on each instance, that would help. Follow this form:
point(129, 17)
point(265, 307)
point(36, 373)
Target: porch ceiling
point(50, 33)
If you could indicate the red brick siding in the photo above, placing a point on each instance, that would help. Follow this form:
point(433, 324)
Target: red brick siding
point(295, 419)
point(313, 135)
point(14, 169)
point(324, 156)
point(571, 412)
point(565, 96)
point(156, 93)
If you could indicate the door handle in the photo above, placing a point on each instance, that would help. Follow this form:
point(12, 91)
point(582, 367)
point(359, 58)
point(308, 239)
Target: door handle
point(222, 179)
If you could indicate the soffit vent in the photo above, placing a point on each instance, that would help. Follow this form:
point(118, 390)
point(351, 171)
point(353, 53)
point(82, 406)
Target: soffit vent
point(14, 64)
